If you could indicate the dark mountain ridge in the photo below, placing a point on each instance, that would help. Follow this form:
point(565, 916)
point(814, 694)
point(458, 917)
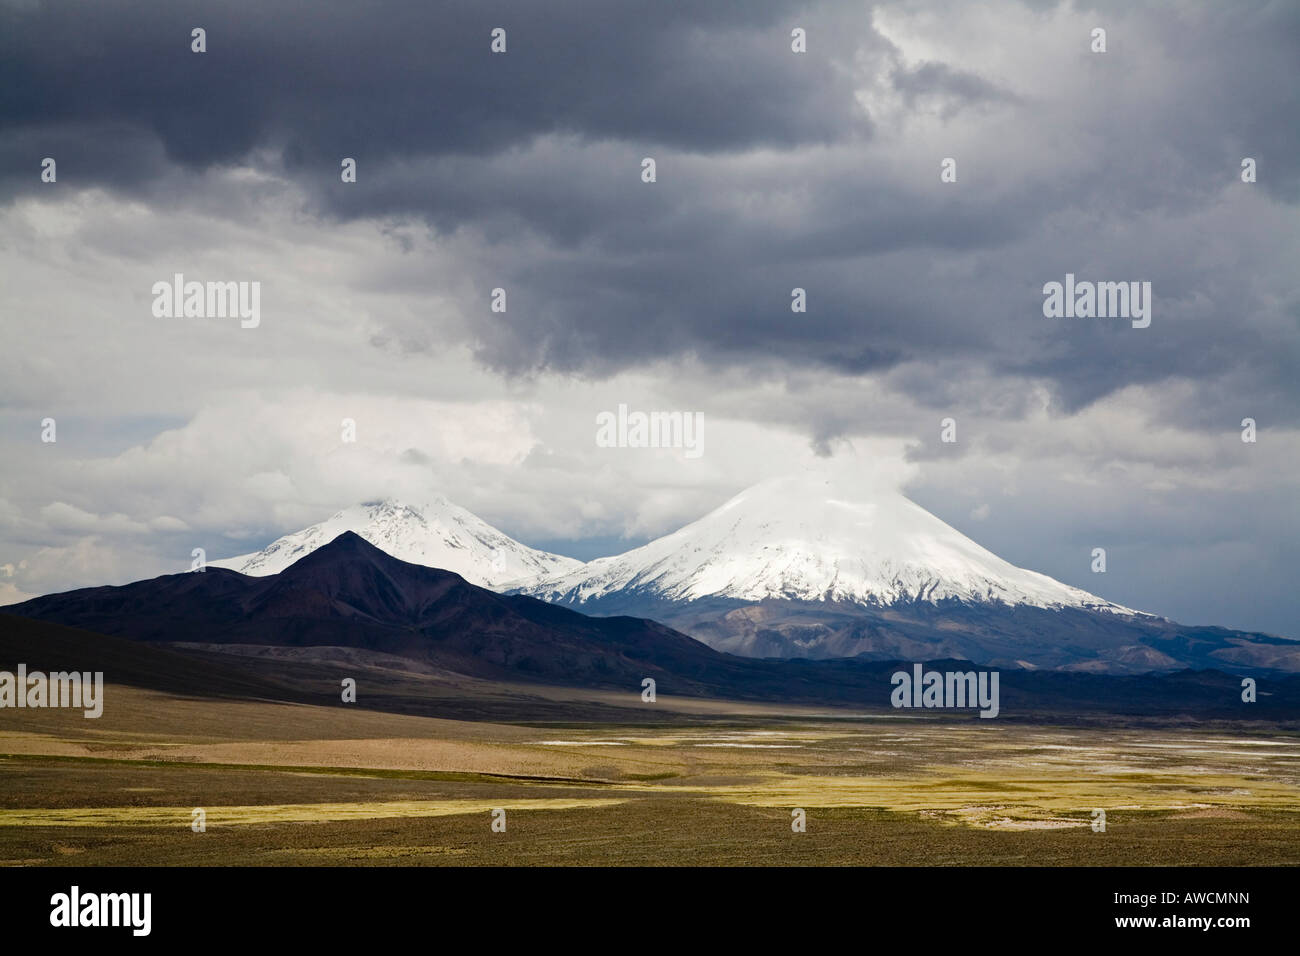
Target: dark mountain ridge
point(351, 594)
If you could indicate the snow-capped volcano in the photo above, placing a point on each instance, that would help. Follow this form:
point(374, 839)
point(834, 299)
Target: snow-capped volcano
point(438, 534)
point(814, 538)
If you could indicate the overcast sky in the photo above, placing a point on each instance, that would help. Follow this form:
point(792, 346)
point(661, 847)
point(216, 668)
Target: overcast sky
point(523, 170)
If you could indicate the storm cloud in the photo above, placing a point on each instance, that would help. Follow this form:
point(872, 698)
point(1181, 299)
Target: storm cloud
point(775, 171)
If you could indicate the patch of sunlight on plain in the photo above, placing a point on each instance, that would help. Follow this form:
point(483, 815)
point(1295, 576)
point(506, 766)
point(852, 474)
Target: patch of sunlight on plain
point(279, 813)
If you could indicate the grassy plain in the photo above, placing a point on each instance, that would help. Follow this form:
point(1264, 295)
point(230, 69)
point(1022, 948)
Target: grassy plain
point(601, 778)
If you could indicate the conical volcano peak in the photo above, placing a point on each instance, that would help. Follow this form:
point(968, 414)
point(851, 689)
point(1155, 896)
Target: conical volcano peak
point(816, 536)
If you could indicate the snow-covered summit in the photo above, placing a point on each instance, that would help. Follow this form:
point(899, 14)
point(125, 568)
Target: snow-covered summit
point(814, 537)
point(436, 533)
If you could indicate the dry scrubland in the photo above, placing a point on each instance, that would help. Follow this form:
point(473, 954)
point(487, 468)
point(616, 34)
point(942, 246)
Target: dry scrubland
point(686, 782)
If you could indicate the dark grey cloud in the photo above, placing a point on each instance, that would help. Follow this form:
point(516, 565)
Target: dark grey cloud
point(772, 174)
point(398, 79)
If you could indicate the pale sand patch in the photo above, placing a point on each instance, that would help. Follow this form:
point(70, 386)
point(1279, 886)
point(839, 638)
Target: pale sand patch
point(581, 743)
point(1006, 823)
point(997, 818)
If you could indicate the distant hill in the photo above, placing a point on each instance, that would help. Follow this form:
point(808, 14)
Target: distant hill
point(349, 593)
point(47, 647)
